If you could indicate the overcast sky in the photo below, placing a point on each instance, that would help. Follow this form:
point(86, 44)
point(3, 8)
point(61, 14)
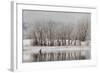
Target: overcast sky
point(31, 16)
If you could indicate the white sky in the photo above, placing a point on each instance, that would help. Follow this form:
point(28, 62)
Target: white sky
point(30, 16)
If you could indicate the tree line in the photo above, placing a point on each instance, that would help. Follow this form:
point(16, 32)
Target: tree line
point(52, 33)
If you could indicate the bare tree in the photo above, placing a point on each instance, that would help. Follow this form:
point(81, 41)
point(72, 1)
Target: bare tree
point(83, 29)
point(45, 33)
point(69, 31)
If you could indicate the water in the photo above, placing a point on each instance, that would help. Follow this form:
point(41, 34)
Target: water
point(38, 54)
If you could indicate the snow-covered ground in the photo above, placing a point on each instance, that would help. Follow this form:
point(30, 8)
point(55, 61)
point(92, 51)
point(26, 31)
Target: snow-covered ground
point(27, 42)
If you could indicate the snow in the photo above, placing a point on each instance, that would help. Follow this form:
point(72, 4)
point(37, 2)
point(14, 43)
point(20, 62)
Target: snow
point(27, 42)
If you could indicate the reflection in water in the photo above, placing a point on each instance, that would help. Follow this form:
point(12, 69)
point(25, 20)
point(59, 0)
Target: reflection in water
point(57, 56)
